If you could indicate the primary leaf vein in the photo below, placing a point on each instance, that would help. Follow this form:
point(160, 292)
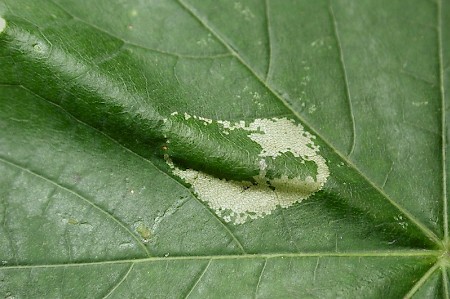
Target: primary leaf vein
point(443, 123)
point(360, 254)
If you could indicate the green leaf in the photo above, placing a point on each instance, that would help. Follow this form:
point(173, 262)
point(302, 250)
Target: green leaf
point(268, 149)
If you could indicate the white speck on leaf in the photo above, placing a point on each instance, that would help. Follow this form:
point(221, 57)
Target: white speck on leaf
point(245, 11)
point(418, 104)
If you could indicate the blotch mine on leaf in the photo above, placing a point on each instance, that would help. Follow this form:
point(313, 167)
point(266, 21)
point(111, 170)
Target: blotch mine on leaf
point(278, 138)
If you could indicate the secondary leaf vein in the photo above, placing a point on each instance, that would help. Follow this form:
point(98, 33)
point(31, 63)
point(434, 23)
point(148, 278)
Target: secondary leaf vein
point(422, 280)
point(344, 71)
point(198, 279)
point(125, 276)
point(127, 42)
point(269, 40)
point(261, 274)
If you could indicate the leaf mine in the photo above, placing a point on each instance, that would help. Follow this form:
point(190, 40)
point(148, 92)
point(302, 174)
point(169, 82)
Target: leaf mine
point(278, 140)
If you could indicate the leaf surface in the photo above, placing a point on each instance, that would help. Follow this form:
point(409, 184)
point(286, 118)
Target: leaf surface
point(90, 208)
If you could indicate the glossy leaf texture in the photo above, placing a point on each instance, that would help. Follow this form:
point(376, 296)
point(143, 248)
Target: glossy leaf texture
point(89, 207)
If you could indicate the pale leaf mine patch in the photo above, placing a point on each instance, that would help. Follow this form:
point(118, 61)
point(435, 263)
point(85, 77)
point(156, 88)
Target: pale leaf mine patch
point(238, 202)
